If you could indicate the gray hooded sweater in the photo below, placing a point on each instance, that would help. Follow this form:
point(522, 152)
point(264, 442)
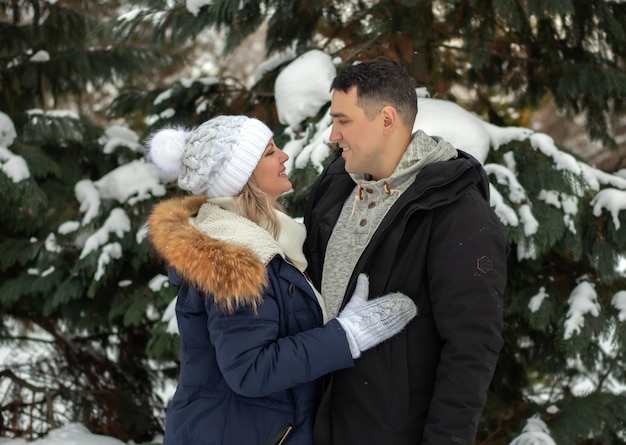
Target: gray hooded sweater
point(361, 216)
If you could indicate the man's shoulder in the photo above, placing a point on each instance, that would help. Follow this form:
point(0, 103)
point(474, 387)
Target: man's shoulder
point(451, 177)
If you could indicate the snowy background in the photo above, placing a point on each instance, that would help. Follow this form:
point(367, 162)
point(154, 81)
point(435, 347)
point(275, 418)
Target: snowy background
point(296, 101)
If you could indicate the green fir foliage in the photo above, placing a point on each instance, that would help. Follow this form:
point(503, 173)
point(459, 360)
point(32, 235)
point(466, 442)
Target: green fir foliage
point(597, 415)
point(104, 311)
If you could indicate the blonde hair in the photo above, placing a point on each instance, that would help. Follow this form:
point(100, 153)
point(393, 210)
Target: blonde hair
point(256, 206)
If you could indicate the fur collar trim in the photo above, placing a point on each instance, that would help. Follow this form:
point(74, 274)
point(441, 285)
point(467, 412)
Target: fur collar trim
point(233, 274)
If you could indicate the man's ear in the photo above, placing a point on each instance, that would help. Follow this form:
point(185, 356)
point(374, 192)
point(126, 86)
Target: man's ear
point(390, 118)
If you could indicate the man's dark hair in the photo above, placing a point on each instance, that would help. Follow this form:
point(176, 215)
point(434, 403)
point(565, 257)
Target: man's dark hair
point(380, 82)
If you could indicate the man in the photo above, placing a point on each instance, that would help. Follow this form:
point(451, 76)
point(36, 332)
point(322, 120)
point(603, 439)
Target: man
point(413, 213)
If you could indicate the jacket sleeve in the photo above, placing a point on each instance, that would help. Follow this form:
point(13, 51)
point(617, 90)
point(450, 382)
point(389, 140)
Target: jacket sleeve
point(256, 359)
point(467, 259)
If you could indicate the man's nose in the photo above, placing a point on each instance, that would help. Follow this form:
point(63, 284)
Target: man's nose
point(335, 136)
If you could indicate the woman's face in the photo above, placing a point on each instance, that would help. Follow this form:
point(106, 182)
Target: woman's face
point(270, 175)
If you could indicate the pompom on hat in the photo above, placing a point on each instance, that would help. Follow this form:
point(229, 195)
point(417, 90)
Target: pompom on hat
point(215, 159)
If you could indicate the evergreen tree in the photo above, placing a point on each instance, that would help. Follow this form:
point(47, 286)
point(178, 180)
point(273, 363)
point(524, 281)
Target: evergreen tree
point(74, 262)
point(93, 329)
point(506, 53)
point(566, 237)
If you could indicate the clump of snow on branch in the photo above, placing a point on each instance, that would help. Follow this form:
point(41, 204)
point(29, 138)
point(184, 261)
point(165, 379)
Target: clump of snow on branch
point(613, 201)
point(535, 432)
point(7, 130)
point(619, 303)
point(117, 223)
point(535, 302)
point(194, 6)
point(118, 135)
point(582, 301)
point(12, 165)
point(300, 92)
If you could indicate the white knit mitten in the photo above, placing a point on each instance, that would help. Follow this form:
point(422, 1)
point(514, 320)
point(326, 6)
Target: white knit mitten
point(370, 322)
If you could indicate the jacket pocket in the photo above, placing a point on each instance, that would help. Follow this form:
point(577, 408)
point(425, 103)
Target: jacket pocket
point(281, 436)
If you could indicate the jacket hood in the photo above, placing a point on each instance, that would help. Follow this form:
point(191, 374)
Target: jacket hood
point(436, 184)
point(234, 275)
point(443, 182)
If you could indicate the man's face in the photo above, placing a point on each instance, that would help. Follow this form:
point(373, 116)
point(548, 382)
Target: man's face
point(359, 137)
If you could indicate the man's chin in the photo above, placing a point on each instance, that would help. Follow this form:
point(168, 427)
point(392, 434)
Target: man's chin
point(350, 168)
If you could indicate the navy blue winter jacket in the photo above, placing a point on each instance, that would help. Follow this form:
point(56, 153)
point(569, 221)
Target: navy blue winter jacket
point(252, 342)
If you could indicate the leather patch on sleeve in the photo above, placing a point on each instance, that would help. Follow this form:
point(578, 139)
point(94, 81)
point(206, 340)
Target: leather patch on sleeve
point(484, 264)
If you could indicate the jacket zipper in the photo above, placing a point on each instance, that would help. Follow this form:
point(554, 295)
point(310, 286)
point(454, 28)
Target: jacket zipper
point(281, 436)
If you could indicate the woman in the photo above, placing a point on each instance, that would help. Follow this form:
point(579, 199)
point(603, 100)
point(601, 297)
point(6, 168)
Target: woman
point(254, 339)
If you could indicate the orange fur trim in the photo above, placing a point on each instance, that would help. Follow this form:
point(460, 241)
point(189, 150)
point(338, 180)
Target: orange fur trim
point(234, 275)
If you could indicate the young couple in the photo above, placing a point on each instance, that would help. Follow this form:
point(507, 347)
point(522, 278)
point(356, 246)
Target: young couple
point(398, 224)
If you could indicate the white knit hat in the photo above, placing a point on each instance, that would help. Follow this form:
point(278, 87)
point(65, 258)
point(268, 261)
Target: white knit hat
point(215, 159)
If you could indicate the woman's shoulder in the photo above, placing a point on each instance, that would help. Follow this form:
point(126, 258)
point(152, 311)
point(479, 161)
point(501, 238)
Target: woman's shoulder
point(229, 272)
